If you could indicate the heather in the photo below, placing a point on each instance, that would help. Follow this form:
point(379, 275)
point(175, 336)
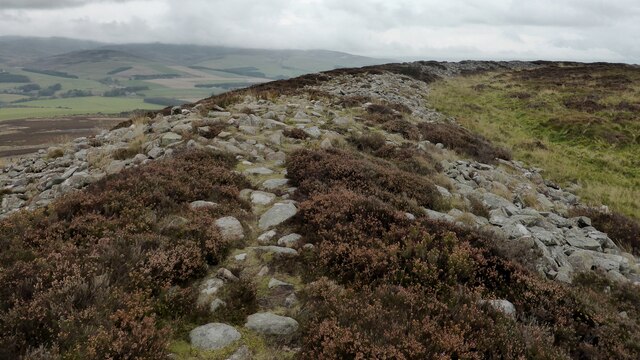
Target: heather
point(386, 286)
point(104, 272)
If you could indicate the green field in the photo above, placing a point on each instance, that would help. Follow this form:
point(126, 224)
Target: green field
point(582, 125)
point(74, 106)
point(163, 71)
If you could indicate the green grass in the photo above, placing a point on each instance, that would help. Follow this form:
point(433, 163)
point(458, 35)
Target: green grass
point(596, 149)
point(67, 84)
point(74, 106)
point(11, 97)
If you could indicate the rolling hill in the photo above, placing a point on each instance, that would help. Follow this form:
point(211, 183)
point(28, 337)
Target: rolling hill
point(149, 74)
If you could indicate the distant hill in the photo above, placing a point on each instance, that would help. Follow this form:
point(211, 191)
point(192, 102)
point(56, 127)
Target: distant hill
point(17, 49)
point(58, 76)
point(82, 56)
point(63, 54)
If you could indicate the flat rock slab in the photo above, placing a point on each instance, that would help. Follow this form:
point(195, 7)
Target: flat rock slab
point(271, 324)
point(262, 198)
point(213, 336)
point(170, 138)
point(575, 238)
point(272, 184)
point(277, 250)
point(278, 214)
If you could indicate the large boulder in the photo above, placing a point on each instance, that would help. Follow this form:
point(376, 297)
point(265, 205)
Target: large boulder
point(271, 324)
point(213, 336)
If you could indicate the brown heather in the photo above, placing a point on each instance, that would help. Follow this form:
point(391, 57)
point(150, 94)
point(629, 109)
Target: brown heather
point(389, 287)
point(463, 141)
point(322, 170)
point(295, 133)
point(99, 275)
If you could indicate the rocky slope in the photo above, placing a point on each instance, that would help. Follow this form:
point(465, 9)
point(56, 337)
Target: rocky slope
point(262, 127)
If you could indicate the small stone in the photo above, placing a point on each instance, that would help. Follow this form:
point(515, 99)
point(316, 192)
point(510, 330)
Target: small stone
point(211, 286)
point(156, 152)
point(241, 257)
point(583, 221)
point(249, 130)
point(243, 353)
point(313, 132)
point(216, 304)
point(226, 274)
point(182, 128)
point(435, 215)
point(115, 167)
point(290, 240)
point(326, 144)
point(291, 300)
point(170, 138)
point(139, 158)
point(263, 271)
point(504, 306)
point(262, 198)
point(213, 336)
point(230, 228)
point(266, 237)
point(271, 324)
point(272, 184)
point(201, 204)
point(275, 283)
point(161, 126)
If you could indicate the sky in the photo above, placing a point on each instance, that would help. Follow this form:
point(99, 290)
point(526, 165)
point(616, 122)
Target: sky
point(582, 30)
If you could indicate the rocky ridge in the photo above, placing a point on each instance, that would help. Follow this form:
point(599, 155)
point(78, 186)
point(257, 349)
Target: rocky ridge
point(518, 203)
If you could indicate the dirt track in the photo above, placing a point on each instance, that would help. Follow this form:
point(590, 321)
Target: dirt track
point(19, 137)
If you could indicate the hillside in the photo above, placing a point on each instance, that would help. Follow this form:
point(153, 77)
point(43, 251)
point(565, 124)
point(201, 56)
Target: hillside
point(68, 75)
point(345, 214)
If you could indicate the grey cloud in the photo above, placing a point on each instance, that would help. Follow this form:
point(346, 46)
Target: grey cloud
point(456, 29)
point(48, 4)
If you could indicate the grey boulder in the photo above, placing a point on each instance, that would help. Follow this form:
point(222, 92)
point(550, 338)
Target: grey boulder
point(271, 324)
point(276, 215)
point(213, 336)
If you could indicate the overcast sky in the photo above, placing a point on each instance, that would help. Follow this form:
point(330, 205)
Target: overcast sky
point(587, 30)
